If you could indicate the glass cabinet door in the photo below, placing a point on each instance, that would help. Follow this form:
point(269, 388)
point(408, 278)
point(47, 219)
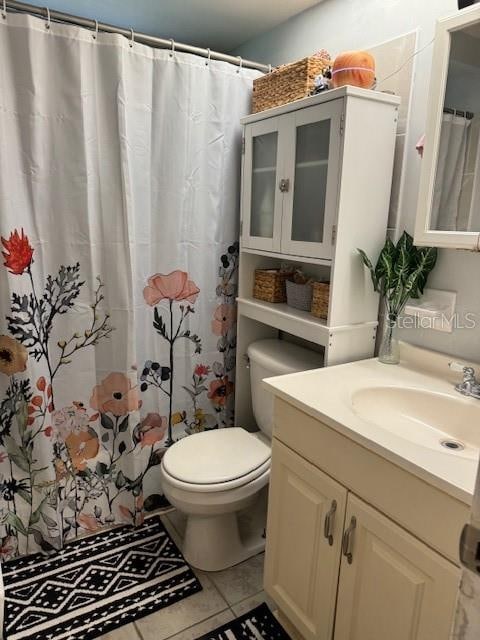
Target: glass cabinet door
point(311, 202)
point(261, 202)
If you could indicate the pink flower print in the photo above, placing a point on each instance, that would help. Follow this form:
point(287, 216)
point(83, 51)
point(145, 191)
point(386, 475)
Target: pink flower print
point(224, 318)
point(173, 286)
point(116, 395)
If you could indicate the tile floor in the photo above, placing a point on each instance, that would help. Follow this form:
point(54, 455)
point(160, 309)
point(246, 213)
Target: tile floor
point(225, 595)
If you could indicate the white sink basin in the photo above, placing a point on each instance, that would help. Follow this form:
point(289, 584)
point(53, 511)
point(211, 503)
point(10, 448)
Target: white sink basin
point(433, 420)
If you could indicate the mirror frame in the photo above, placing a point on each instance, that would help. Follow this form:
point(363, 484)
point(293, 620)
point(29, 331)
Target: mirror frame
point(424, 236)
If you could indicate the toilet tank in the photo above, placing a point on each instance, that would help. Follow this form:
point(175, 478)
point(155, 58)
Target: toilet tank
point(274, 358)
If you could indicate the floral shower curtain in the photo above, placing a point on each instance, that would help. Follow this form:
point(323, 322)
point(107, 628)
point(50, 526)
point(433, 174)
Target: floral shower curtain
point(119, 182)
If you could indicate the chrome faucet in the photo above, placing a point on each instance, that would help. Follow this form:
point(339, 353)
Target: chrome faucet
point(469, 386)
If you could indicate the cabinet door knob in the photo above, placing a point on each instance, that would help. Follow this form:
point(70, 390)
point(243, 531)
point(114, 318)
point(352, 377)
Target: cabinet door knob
point(284, 185)
point(347, 541)
point(329, 522)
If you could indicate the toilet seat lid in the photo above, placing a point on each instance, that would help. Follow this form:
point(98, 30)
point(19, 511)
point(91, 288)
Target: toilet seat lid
point(217, 456)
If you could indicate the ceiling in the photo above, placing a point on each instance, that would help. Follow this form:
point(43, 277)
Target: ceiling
point(222, 25)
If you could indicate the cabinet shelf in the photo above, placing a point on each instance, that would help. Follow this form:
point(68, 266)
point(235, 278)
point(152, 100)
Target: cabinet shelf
point(279, 315)
point(302, 323)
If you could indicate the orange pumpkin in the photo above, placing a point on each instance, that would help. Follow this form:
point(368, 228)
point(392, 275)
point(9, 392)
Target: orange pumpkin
point(356, 68)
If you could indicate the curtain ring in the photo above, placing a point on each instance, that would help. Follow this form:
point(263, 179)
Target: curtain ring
point(4, 10)
point(47, 24)
point(95, 33)
point(132, 38)
point(173, 47)
point(240, 63)
point(209, 53)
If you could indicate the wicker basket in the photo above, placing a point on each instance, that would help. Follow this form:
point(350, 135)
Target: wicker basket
point(269, 285)
point(299, 296)
point(288, 83)
point(321, 294)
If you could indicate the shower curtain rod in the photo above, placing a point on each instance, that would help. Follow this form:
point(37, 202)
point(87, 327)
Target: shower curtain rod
point(143, 38)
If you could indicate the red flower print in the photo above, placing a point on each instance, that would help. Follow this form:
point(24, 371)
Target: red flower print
point(41, 384)
point(219, 391)
point(18, 252)
point(48, 431)
point(201, 370)
point(174, 286)
point(223, 319)
point(116, 395)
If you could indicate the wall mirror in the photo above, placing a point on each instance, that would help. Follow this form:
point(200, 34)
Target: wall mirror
point(448, 212)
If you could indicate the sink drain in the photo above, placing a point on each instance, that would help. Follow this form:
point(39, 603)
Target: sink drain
point(453, 445)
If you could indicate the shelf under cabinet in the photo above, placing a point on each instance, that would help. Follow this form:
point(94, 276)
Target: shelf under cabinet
point(279, 315)
point(305, 325)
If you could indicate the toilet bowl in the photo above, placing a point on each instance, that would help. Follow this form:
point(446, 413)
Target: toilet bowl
point(214, 476)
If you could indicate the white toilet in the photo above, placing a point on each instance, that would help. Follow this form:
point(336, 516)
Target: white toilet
point(213, 476)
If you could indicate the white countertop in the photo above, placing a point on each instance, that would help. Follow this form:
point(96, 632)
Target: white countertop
point(326, 394)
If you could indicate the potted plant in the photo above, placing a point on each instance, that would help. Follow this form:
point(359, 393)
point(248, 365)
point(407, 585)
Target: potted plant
point(401, 272)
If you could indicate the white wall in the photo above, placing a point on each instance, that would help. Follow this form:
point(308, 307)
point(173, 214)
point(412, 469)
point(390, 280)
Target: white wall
point(340, 25)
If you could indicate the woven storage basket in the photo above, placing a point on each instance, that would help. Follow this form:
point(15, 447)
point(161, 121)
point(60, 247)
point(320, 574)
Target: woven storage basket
point(269, 285)
point(287, 83)
point(299, 296)
point(321, 294)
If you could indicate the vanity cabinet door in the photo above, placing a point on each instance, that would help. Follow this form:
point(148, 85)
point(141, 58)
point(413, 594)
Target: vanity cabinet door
point(391, 585)
point(304, 531)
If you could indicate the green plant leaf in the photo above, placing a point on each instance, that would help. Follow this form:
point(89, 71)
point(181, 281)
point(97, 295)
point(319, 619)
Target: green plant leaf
point(123, 426)
point(23, 493)
point(14, 521)
point(16, 454)
point(426, 259)
point(384, 266)
point(369, 265)
point(50, 522)
point(404, 259)
point(35, 517)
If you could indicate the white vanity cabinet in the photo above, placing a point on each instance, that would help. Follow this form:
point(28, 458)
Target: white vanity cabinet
point(338, 567)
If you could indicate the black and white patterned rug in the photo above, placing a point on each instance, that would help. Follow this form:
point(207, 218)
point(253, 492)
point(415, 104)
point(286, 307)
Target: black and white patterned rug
point(95, 584)
point(257, 624)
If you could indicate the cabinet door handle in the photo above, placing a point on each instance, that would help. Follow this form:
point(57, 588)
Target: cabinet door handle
point(347, 541)
point(284, 185)
point(329, 521)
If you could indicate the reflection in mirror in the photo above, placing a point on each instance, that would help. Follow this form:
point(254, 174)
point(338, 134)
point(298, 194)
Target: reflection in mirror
point(456, 196)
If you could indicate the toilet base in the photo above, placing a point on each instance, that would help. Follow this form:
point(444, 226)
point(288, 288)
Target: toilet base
point(213, 543)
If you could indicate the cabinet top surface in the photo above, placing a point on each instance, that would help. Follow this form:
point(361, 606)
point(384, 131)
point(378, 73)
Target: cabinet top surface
point(320, 98)
point(401, 412)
